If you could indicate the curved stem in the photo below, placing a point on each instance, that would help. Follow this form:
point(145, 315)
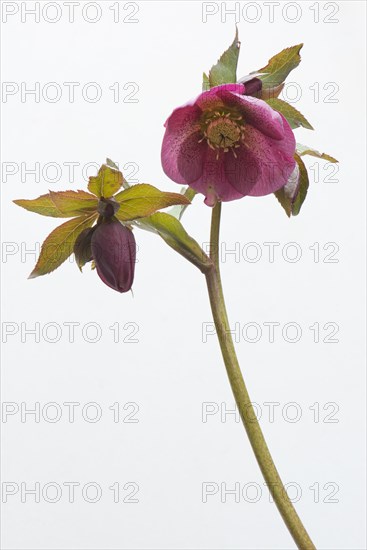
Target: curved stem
point(242, 397)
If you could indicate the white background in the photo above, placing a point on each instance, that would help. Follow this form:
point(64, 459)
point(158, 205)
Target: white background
point(170, 372)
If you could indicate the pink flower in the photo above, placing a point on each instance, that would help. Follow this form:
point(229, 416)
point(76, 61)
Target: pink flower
point(226, 145)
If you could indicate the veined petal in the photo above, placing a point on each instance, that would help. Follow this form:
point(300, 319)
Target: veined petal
point(243, 171)
point(182, 159)
point(214, 181)
point(180, 147)
point(183, 118)
point(215, 98)
point(275, 159)
point(257, 113)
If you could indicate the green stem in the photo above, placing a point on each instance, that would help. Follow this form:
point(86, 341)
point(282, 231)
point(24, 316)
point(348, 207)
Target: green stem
point(252, 426)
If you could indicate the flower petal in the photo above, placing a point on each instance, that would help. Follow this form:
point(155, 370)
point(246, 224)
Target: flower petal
point(182, 160)
point(271, 166)
point(180, 153)
point(257, 113)
point(213, 181)
point(216, 96)
point(243, 171)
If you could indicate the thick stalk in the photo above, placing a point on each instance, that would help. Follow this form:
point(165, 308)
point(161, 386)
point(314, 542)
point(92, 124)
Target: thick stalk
point(252, 426)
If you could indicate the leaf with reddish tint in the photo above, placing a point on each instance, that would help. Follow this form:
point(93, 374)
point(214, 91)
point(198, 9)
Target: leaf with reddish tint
point(74, 203)
point(43, 205)
point(295, 118)
point(142, 200)
point(178, 210)
point(279, 66)
point(107, 182)
point(60, 244)
point(61, 204)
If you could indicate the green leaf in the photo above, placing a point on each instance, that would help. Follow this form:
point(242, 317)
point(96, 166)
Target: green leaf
point(72, 203)
point(303, 187)
point(106, 183)
point(206, 83)
point(43, 205)
point(177, 211)
point(61, 204)
point(142, 200)
point(173, 233)
point(294, 117)
point(225, 70)
point(305, 150)
point(280, 65)
point(60, 244)
point(293, 194)
point(111, 164)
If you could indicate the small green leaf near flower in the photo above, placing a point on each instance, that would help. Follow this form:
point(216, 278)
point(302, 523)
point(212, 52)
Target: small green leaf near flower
point(280, 65)
point(178, 211)
point(60, 243)
point(294, 117)
point(107, 182)
point(142, 200)
point(292, 202)
point(305, 150)
point(174, 234)
point(61, 204)
point(225, 70)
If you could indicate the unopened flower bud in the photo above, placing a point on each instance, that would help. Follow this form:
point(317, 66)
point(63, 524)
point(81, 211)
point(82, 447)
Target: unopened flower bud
point(107, 207)
point(114, 252)
point(253, 86)
point(82, 247)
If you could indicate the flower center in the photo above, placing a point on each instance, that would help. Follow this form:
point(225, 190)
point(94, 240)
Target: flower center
point(223, 132)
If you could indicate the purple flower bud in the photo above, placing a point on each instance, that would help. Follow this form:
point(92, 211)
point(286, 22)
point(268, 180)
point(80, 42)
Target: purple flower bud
point(82, 247)
point(253, 86)
point(114, 252)
point(107, 207)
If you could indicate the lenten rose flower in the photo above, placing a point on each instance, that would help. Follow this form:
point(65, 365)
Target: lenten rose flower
point(226, 144)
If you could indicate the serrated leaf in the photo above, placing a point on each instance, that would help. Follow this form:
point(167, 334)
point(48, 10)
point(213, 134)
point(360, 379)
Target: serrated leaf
point(107, 182)
point(280, 65)
point(42, 205)
point(60, 204)
point(293, 194)
point(142, 200)
point(59, 244)
point(177, 211)
point(305, 150)
point(73, 203)
point(173, 233)
point(294, 117)
point(225, 70)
